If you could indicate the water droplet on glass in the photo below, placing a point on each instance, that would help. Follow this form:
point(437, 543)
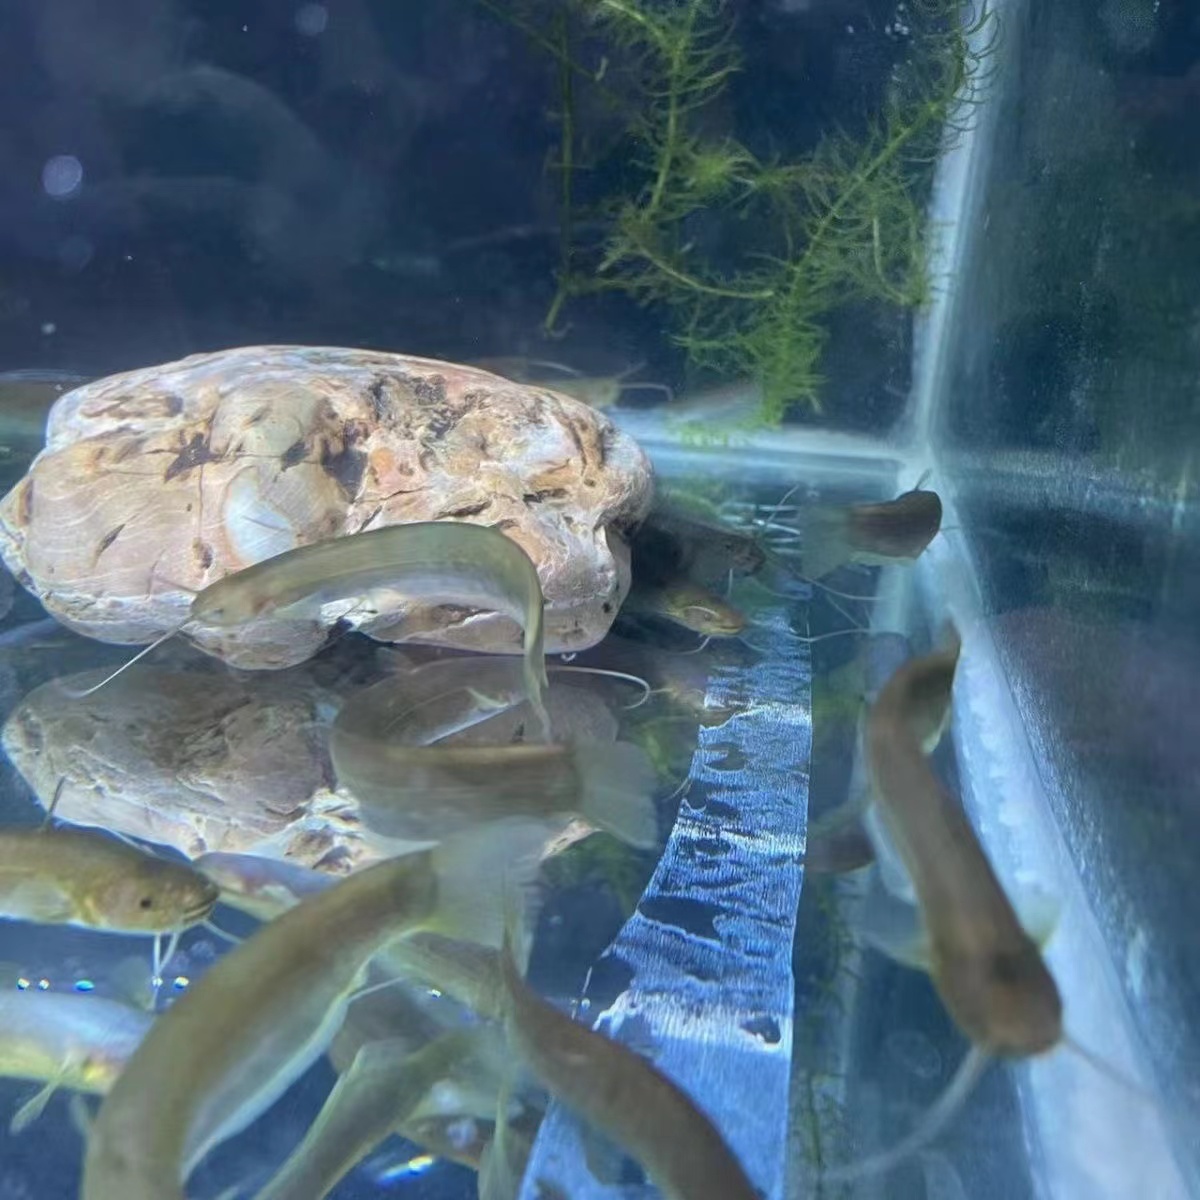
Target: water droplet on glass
point(62, 176)
point(312, 19)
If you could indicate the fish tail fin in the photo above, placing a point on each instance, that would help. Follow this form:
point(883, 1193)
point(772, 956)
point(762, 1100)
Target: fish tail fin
point(940, 1113)
point(825, 545)
point(616, 785)
point(477, 869)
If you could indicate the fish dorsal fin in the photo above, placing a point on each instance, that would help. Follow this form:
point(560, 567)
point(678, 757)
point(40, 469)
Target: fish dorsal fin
point(894, 927)
point(1039, 913)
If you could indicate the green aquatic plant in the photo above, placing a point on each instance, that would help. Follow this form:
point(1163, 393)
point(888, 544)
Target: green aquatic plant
point(798, 239)
point(602, 858)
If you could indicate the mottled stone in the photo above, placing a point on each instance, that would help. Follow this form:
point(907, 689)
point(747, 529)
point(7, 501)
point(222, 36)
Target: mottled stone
point(158, 482)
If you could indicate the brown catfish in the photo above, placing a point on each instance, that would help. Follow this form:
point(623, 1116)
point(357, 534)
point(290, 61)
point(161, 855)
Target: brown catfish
point(623, 1096)
point(65, 876)
point(987, 969)
point(872, 534)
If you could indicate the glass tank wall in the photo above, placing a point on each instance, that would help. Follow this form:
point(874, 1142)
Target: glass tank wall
point(810, 254)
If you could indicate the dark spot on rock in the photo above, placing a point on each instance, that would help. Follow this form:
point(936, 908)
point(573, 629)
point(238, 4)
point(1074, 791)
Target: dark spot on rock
point(377, 394)
point(544, 494)
point(26, 505)
point(506, 523)
point(204, 554)
point(108, 539)
point(172, 404)
point(430, 391)
point(196, 453)
point(466, 510)
point(345, 467)
point(294, 454)
point(258, 416)
point(442, 421)
point(606, 607)
point(354, 432)
point(427, 459)
point(588, 481)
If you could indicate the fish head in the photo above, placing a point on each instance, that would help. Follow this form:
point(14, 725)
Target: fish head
point(156, 896)
point(226, 603)
point(1004, 999)
point(703, 613)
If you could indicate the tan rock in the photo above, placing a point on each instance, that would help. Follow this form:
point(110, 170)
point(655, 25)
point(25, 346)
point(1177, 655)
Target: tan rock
point(198, 760)
point(205, 759)
point(156, 483)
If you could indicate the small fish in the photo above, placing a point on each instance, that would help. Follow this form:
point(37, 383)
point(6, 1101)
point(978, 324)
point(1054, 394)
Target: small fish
point(65, 1040)
point(689, 605)
point(674, 542)
point(597, 391)
point(429, 792)
point(621, 1095)
point(75, 876)
point(449, 562)
point(258, 886)
point(871, 534)
point(439, 699)
point(386, 1089)
point(234, 1042)
point(987, 969)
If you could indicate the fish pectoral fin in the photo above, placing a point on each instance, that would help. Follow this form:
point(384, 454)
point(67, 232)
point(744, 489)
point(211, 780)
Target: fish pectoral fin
point(824, 543)
point(604, 1158)
point(34, 1106)
point(133, 980)
point(894, 928)
point(1038, 913)
point(82, 1117)
point(488, 703)
point(616, 788)
point(837, 851)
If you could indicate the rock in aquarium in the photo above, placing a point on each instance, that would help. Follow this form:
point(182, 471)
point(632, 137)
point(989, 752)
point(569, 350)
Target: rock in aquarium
point(157, 482)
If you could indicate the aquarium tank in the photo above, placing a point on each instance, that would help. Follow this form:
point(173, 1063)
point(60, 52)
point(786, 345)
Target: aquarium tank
point(599, 599)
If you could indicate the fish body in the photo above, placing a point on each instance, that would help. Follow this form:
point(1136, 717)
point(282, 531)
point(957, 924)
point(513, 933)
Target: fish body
point(75, 876)
point(623, 1096)
point(871, 534)
point(448, 562)
point(259, 886)
point(385, 1090)
point(75, 1041)
point(434, 701)
point(987, 969)
point(234, 1043)
point(685, 603)
point(430, 792)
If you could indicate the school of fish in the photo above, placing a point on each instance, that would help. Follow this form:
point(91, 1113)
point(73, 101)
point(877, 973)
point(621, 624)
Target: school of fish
point(468, 772)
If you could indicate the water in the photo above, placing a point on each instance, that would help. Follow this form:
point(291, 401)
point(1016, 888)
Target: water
point(972, 254)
